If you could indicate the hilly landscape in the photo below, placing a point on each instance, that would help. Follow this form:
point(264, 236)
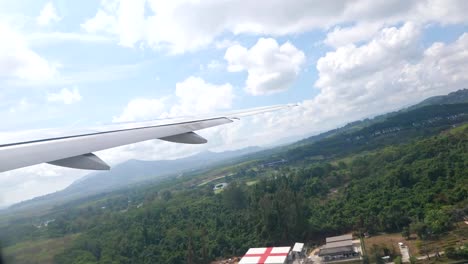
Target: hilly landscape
point(404, 174)
point(128, 174)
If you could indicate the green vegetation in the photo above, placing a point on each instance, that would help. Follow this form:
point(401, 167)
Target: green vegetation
point(401, 181)
point(40, 251)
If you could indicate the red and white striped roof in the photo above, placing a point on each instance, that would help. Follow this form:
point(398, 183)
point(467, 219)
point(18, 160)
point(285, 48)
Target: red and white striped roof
point(269, 255)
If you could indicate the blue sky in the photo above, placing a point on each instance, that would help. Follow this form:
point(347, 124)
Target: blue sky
point(87, 63)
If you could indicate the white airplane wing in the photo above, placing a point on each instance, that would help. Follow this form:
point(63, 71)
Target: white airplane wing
point(74, 148)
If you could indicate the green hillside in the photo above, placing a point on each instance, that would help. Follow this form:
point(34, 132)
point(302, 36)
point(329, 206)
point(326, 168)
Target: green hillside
point(421, 185)
point(406, 172)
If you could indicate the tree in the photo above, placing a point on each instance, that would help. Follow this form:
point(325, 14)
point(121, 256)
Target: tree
point(166, 195)
point(234, 196)
point(406, 232)
point(397, 260)
point(437, 221)
point(420, 229)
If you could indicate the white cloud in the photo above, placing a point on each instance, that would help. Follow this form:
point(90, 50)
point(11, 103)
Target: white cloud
point(390, 71)
point(192, 96)
point(142, 109)
point(187, 25)
point(195, 96)
point(353, 34)
point(48, 14)
point(17, 60)
point(225, 43)
point(65, 96)
point(124, 18)
point(27, 183)
point(271, 68)
point(101, 22)
point(48, 38)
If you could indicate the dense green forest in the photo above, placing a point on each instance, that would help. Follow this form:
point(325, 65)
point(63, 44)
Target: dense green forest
point(408, 173)
point(422, 185)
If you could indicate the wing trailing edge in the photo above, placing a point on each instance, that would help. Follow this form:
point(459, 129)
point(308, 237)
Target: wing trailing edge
point(74, 148)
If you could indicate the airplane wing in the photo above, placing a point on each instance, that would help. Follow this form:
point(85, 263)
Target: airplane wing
point(74, 148)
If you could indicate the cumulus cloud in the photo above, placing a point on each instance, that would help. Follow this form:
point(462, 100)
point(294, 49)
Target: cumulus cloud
point(195, 96)
point(271, 68)
point(125, 18)
point(48, 15)
point(390, 71)
point(192, 96)
point(65, 96)
point(142, 109)
point(342, 36)
point(17, 60)
point(187, 25)
point(102, 22)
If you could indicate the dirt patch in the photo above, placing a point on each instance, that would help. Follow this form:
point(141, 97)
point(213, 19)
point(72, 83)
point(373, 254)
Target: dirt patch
point(390, 241)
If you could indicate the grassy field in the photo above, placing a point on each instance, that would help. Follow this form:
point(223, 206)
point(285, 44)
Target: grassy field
point(441, 260)
point(390, 241)
point(39, 251)
point(250, 183)
point(455, 238)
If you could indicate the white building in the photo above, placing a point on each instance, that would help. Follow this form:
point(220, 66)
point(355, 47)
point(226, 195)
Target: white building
point(268, 255)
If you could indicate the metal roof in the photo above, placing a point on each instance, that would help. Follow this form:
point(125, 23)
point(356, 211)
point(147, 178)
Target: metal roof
point(298, 247)
point(346, 243)
point(339, 238)
point(336, 250)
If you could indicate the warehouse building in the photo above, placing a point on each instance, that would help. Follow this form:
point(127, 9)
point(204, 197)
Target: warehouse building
point(339, 248)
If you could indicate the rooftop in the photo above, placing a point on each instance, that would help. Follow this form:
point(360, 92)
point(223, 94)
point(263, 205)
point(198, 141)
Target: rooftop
point(339, 238)
point(271, 255)
point(346, 243)
point(336, 250)
point(298, 247)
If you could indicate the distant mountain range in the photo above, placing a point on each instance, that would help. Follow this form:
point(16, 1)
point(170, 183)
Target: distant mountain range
point(132, 172)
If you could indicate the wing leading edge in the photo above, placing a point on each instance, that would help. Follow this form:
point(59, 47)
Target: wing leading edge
point(75, 149)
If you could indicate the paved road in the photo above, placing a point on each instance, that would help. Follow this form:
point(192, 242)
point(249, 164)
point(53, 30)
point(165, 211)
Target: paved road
point(405, 257)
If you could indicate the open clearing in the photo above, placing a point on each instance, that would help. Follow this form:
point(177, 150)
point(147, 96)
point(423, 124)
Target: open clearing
point(455, 238)
point(39, 251)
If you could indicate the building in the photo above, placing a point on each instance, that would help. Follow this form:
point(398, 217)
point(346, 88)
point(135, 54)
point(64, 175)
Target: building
point(268, 255)
point(220, 186)
point(298, 251)
point(339, 248)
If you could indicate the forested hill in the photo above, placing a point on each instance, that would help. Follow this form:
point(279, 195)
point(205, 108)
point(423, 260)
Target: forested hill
point(457, 97)
point(400, 128)
point(407, 172)
point(422, 186)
